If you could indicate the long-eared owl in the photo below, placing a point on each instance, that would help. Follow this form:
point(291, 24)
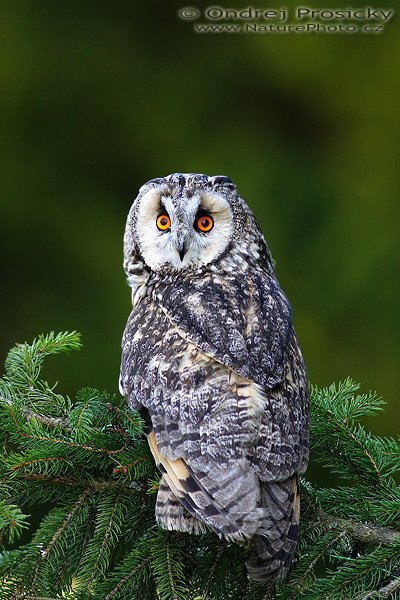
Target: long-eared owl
point(211, 362)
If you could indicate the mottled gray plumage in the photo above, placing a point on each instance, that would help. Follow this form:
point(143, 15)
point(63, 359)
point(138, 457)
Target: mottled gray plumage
point(211, 361)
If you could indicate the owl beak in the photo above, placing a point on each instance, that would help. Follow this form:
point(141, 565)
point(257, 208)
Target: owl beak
point(181, 245)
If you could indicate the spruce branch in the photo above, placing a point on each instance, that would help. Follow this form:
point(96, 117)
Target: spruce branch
point(12, 522)
point(365, 533)
point(387, 591)
point(46, 420)
point(88, 462)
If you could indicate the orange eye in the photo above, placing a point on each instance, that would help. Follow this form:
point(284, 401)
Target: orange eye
point(163, 222)
point(205, 223)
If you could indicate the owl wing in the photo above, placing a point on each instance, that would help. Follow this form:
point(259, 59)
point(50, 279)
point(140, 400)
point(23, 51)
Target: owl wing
point(197, 427)
point(245, 324)
point(227, 500)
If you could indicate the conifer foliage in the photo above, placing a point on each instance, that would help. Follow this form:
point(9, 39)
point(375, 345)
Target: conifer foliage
point(86, 464)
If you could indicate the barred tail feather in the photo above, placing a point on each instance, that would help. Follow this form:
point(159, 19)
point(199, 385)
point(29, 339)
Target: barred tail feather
point(227, 501)
point(171, 514)
point(271, 551)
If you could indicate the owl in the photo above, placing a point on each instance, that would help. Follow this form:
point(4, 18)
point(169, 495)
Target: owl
point(211, 362)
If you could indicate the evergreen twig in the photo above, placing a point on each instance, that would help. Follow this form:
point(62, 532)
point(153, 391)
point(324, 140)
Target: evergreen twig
point(385, 592)
point(88, 462)
point(364, 533)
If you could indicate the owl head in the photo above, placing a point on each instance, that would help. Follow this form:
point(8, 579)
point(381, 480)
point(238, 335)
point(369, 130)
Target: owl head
point(186, 221)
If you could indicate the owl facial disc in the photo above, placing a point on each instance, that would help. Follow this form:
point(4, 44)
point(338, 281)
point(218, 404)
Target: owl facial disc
point(183, 221)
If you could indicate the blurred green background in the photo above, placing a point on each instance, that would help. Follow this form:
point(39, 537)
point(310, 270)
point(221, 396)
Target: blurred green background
point(99, 96)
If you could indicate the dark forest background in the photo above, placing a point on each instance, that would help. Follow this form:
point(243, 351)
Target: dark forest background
point(99, 96)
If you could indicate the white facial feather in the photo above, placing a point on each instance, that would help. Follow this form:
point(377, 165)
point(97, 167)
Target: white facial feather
point(160, 248)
